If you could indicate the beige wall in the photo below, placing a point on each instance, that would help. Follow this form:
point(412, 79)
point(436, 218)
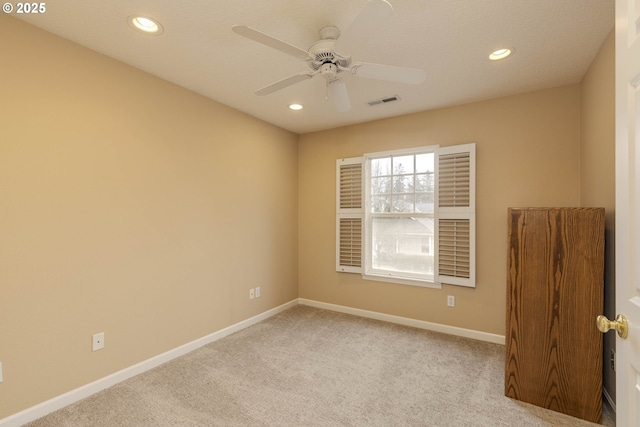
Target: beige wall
point(129, 206)
point(597, 170)
point(528, 154)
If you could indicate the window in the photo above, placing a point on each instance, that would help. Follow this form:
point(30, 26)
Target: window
point(408, 216)
point(399, 214)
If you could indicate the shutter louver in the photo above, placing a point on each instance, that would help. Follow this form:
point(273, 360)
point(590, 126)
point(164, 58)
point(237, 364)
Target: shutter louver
point(456, 215)
point(350, 242)
point(454, 243)
point(454, 180)
point(350, 186)
point(349, 215)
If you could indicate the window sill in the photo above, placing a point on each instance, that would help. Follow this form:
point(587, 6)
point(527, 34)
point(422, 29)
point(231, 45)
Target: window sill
point(402, 281)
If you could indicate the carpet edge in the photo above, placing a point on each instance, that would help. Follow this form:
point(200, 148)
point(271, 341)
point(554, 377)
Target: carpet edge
point(406, 321)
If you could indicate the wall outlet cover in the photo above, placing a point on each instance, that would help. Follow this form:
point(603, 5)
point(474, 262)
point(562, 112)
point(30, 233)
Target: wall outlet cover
point(98, 341)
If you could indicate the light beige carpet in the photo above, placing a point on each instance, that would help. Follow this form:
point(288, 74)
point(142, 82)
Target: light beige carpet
point(311, 367)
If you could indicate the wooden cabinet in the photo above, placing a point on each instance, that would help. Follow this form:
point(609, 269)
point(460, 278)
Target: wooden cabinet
point(555, 285)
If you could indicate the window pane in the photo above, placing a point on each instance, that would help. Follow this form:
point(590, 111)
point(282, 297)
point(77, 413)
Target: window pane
point(403, 245)
point(424, 202)
point(403, 184)
point(380, 203)
point(381, 185)
point(424, 163)
point(381, 167)
point(424, 183)
point(403, 164)
point(403, 203)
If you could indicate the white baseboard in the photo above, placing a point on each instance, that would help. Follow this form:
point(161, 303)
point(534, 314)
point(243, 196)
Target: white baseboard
point(87, 390)
point(421, 324)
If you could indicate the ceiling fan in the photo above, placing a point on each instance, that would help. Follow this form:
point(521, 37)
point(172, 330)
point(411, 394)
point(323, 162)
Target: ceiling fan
point(331, 55)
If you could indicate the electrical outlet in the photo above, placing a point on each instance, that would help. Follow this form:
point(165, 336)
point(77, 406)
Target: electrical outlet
point(252, 293)
point(451, 301)
point(258, 292)
point(98, 341)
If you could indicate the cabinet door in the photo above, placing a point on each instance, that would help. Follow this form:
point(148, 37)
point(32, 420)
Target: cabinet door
point(554, 292)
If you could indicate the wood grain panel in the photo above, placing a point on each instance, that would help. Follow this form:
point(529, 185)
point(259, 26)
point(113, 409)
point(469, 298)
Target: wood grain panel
point(555, 285)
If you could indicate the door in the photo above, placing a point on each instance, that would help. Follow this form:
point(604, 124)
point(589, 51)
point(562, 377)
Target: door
point(628, 209)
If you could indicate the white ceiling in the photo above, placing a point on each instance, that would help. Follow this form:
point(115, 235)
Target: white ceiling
point(555, 41)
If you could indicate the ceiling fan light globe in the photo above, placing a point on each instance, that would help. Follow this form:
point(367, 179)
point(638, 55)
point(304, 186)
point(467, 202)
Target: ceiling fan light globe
point(328, 71)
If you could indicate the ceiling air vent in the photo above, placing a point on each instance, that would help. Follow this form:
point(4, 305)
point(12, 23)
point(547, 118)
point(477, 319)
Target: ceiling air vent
point(384, 100)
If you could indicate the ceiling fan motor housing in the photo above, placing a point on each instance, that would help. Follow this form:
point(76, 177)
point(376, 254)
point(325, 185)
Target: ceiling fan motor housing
point(322, 53)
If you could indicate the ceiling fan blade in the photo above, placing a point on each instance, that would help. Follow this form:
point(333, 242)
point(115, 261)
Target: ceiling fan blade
point(372, 15)
point(388, 73)
point(296, 78)
point(272, 42)
point(339, 95)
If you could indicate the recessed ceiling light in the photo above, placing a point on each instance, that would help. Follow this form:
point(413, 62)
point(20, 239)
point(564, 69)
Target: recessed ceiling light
point(145, 24)
point(500, 54)
point(296, 107)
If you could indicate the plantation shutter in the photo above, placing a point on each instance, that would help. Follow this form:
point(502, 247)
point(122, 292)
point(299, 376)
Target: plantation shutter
point(456, 215)
point(349, 214)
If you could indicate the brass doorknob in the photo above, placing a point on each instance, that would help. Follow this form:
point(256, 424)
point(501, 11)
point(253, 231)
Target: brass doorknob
point(620, 325)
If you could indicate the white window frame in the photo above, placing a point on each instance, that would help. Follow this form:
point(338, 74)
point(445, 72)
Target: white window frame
point(370, 273)
point(457, 218)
